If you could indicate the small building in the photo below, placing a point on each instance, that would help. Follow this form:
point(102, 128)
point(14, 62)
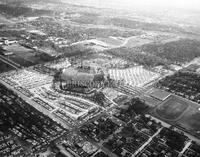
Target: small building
point(9, 42)
point(7, 53)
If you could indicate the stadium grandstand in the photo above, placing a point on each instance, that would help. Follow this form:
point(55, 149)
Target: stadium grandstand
point(82, 79)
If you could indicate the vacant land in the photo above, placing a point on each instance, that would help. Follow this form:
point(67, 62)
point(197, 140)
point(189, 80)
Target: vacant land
point(112, 41)
point(21, 55)
point(151, 102)
point(17, 48)
point(88, 18)
point(136, 41)
point(111, 93)
point(159, 94)
point(26, 57)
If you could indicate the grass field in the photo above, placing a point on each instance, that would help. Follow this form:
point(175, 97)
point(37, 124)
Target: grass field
point(191, 120)
point(171, 109)
point(181, 113)
point(23, 56)
point(17, 48)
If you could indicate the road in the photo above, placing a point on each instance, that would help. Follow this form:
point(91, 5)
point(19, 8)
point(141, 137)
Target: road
point(146, 143)
point(35, 105)
point(9, 62)
point(186, 147)
point(99, 146)
point(169, 125)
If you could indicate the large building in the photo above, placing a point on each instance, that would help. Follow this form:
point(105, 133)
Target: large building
point(81, 79)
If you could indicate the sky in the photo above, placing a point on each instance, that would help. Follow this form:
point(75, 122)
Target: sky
point(185, 4)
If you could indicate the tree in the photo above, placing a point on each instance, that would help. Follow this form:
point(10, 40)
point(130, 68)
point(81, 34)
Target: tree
point(99, 97)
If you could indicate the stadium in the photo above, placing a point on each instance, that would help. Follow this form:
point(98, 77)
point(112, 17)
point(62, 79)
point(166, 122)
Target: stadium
point(82, 79)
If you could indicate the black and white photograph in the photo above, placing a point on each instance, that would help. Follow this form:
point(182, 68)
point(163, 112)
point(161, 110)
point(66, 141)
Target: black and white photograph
point(99, 78)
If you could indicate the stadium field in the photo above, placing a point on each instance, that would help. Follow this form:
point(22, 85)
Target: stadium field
point(181, 113)
point(172, 108)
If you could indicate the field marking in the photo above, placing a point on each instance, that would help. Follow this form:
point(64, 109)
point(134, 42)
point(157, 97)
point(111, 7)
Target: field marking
point(172, 98)
point(135, 76)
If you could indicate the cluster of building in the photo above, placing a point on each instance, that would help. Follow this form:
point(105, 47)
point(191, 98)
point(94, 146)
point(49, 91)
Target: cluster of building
point(64, 93)
point(182, 83)
point(100, 129)
point(24, 134)
point(6, 42)
point(38, 86)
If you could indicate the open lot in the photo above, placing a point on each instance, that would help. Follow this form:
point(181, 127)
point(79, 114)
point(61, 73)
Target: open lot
point(113, 41)
point(136, 41)
point(111, 93)
point(21, 55)
point(24, 56)
point(159, 94)
point(17, 48)
point(3, 20)
point(152, 102)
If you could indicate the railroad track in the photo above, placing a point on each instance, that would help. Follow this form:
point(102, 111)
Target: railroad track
point(10, 62)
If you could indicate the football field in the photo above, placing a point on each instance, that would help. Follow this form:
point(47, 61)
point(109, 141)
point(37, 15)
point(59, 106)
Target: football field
point(171, 109)
point(181, 113)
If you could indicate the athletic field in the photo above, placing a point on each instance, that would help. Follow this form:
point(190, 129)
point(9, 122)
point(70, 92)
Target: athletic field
point(181, 113)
